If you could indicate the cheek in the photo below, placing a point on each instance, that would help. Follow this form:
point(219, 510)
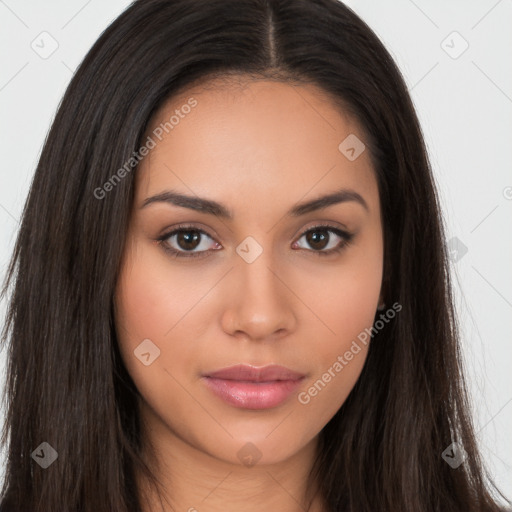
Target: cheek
point(153, 302)
point(154, 295)
point(338, 357)
point(345, 300)
point(344, 295)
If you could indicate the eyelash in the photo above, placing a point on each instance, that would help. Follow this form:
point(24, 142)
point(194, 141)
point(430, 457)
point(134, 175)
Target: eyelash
point(344, 235)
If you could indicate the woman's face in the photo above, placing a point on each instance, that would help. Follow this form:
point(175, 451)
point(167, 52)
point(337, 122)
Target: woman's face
point(254, 282)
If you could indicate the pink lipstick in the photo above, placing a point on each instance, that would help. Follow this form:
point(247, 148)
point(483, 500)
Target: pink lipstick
point(249, 387)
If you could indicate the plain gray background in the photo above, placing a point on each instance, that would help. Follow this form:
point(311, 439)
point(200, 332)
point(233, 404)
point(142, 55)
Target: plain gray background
point(456, 59)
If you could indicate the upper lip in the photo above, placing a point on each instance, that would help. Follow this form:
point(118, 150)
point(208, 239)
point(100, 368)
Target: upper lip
point(244, 372)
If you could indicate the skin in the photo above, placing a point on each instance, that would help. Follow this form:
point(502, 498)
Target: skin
point(259, 149)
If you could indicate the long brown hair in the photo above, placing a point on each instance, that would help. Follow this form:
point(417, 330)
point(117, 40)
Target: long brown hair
point(66, 383)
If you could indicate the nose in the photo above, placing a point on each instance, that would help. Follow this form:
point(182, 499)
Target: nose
point(260, 305)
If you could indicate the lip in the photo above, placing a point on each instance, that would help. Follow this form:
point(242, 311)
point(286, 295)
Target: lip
point(249, 387)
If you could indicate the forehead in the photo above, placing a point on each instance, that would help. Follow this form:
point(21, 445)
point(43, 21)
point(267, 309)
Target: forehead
point(228, 139)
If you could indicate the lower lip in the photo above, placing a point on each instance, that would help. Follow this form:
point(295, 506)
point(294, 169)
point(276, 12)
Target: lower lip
point(252, 395)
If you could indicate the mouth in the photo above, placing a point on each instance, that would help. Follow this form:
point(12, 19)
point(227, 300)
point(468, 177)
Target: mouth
point(248, 387)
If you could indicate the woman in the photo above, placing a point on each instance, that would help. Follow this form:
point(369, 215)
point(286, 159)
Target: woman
point(230, 285)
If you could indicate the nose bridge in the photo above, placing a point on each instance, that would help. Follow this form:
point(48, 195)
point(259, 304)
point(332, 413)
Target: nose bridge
point(258, 275)
point(261, 303)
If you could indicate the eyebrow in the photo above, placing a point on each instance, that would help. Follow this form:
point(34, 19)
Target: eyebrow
point(211, 207)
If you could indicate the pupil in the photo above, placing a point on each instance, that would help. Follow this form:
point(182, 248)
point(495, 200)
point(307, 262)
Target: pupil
point(185, 239)
point(317, 242)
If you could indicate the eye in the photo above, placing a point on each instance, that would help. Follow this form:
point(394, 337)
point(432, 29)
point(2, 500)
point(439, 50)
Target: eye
point(322, 243)
point(187, 241)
